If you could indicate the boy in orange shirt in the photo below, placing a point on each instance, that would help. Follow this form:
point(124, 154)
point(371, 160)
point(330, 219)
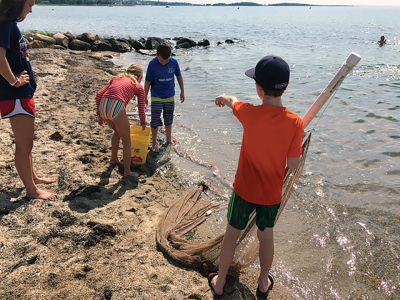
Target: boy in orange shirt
point(272, 140)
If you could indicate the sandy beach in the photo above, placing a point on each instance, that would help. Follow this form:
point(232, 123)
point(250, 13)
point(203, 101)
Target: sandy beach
point(97, 241)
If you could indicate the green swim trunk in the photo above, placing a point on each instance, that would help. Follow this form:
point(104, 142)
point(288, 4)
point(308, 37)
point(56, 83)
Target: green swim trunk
point(239, 211)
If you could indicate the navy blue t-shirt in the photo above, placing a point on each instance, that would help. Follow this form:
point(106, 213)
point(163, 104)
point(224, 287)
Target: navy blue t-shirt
point(162, 78)
point(18, 58)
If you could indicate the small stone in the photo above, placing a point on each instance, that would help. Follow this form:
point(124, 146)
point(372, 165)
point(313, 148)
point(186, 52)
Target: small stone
point(56, 136)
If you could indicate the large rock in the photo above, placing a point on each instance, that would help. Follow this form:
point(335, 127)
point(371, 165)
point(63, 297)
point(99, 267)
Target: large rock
point(153, 42)
point(147, 52)
point(87, 37)
point(79, 45)
point(137, 45)
point(69, 35)
point(38, 44)
point(229, 41)
point(203, 43)
point(61, 39)
point(126, 41)
point(102, 45)
point(185, 43)
point(58, 47)
point(119, 46)
point(44, 38)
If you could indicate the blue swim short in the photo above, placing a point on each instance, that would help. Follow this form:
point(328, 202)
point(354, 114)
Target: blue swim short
point(167, 109)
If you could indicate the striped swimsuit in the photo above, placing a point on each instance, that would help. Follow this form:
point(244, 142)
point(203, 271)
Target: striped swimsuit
point(110, 108)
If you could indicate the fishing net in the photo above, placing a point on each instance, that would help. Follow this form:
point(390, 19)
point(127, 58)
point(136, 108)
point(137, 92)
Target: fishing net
point(192, 229)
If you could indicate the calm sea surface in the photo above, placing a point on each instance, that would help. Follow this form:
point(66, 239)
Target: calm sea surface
point(339, 237)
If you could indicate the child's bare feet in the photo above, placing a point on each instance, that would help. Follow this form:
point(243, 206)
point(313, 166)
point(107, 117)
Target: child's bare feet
point(265, 285)
point(216, 285)
point(44, 180)
point(42, 194)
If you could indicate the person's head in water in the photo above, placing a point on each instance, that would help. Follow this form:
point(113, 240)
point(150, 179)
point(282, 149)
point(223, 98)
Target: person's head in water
point(382, 41)
point(164, 52)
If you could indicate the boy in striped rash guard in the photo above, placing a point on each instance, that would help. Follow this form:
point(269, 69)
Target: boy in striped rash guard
point(111, 101)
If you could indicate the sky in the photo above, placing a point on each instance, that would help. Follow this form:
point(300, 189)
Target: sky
point(323, 2)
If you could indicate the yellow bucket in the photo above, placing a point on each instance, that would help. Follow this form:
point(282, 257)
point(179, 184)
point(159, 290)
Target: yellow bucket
point(140, 140)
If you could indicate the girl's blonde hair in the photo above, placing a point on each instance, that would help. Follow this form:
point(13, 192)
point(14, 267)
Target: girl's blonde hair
point(134, 72)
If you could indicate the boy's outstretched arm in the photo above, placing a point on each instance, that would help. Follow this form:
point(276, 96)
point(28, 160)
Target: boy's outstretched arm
point(223, 100)
point(181, 86)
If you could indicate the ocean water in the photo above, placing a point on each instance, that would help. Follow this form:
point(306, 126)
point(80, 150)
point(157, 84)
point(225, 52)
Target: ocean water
point(339, 236)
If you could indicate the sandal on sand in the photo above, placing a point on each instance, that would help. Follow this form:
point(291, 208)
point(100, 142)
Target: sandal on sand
point(263, 296)
point(210, 278)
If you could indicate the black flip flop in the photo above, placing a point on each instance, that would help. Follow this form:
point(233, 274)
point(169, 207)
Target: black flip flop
point(264, 296)
point(210, 277)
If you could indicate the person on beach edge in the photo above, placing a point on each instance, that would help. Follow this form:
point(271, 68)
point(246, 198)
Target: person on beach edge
point(160, 77)
point(111, 101)
point(272, 140)
point(17, 88)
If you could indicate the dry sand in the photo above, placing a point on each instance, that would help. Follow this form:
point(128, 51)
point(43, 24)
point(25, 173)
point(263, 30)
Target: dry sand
point(97, 241)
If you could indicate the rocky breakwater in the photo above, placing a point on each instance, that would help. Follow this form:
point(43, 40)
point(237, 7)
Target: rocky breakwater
point(89, 41)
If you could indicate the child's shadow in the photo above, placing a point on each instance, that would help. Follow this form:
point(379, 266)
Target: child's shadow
point(89, 197)
point(7, 205)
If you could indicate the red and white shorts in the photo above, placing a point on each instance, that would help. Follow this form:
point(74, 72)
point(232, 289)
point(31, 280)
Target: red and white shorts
point(11, 108)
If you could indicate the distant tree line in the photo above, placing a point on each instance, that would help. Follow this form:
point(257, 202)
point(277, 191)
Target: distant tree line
point(136, 2)
point(77, 2)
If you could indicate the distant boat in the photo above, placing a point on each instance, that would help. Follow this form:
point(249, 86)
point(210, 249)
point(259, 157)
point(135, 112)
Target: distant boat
point(238, 7)
point(166, 6)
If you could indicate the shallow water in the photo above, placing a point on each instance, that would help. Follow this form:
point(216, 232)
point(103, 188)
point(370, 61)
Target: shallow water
point(339, 235)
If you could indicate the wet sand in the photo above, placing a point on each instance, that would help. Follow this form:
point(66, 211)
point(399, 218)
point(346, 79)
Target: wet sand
point(97, 241)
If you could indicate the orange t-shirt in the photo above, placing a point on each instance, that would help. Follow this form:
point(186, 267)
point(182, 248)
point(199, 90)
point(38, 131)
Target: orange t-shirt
point(270, 135)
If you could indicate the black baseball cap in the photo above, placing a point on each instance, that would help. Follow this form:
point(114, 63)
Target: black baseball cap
point(271, 72)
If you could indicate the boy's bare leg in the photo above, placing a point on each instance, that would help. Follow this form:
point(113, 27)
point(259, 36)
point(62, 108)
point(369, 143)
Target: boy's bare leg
point(23, 129)
point(122, 128)
point(114, 143)
point(38, 180)
point(154, 143)
point(266, 255)
point(168, 133)
point(226, 257)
